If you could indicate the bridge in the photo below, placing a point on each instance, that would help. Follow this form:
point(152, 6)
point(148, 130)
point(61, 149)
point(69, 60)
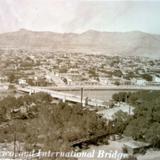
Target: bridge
point(64, 96)
point(102, 87)
point(54, 92)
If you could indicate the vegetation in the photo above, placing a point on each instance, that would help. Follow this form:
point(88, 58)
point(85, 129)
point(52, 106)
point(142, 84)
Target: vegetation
point(92, 72)
point(117, 73)
point(130, 75)
point(145, 124)
point(147, 77)
point(12, 78)
point(121, 96)
point(121, 121)
point(63, 70)
point(130, 158)
point(117, 83)
point(39, 122)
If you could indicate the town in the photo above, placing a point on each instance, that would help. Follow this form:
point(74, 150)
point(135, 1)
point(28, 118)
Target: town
point(40, 68)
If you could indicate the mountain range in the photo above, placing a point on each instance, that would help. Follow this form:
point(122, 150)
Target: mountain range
point(110, 43)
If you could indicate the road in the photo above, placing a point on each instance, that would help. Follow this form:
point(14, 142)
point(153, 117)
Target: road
point(101, 87)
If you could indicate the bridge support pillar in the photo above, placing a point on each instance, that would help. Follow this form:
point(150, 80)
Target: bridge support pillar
point(31, 91)
point(64, 100)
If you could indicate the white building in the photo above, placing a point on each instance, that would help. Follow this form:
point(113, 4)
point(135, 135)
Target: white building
point(139, 82)
point(104, 81)
point(109, 114)
point(22, 82)
point(156, 79)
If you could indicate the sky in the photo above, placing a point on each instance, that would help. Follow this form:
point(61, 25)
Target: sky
point(80, 15)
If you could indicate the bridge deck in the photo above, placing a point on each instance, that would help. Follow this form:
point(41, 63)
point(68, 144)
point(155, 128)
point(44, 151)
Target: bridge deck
point(102, 87)
point(63, 96)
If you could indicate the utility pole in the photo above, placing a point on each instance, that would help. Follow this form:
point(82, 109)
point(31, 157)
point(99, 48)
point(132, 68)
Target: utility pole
point(129, 110)
point(15, 139)
point(81, 97)
point(126, 100)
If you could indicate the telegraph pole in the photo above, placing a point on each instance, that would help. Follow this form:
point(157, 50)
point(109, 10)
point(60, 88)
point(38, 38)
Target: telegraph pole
point(126, 99)
point(81, 97)
point(15, 139)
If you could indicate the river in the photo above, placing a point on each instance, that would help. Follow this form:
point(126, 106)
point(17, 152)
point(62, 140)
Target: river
point(104, 95)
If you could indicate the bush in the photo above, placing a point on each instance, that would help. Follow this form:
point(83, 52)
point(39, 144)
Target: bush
point(145, 124)
point(130, 158)
point(53, 126)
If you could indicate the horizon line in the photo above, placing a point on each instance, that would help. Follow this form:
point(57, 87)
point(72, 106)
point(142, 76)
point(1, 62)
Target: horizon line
point(89, 30)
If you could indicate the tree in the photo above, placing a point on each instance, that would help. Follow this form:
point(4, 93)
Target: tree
point(121, 97)
point(130, 158)
point(145, 124)
point(117, 73)
point(12, 87)
point(117, 83)
point(52, 126)
point(63, 70)
point(121, 121)
point(136, 128)
point(130, 75)
point(153, 134)
point(92, 72)
point(147, 77)
point(11, 78)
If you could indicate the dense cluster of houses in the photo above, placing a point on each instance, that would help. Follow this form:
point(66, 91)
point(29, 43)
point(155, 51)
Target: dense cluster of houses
point(56, 68)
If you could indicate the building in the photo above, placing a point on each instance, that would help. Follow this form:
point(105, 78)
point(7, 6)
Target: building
point(105, 81)
point(22, 82)
point(3, 79)
point(139, 82)
point(84, 83)
point(109, 114)
point(133, 147)
point(156, 79)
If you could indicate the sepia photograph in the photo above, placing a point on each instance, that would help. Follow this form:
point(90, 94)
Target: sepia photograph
point(79, 79)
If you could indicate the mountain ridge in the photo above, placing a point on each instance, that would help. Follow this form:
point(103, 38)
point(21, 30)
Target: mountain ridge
point(134, 43)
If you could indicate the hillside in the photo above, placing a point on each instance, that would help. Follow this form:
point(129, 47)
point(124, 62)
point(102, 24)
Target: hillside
point(109, 43)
